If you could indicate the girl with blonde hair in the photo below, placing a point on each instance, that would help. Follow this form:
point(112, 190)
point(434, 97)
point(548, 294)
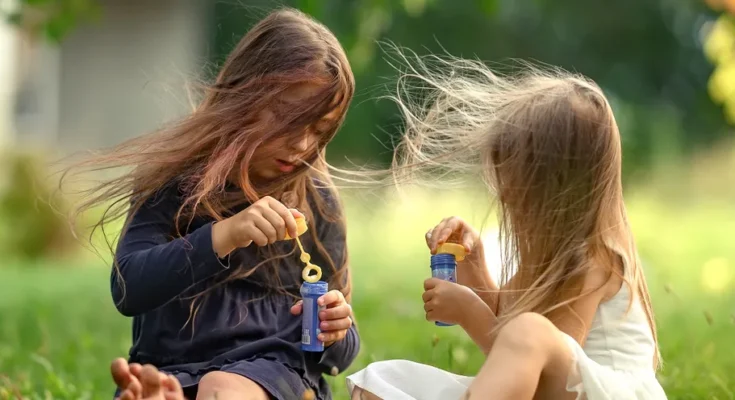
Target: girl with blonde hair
point(571, 316)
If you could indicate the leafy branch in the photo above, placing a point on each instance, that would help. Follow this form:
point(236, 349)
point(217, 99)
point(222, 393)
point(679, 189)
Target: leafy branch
point(52, 19)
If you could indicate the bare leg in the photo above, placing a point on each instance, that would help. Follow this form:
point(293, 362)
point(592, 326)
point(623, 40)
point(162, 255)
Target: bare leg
point(359, 394)
point(225, 386)
point(144, 383)
point(529, 360)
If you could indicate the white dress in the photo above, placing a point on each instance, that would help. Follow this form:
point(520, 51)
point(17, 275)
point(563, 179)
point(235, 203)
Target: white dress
point(614, 364)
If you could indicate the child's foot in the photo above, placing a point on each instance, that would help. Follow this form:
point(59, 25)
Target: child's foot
point(144, 383)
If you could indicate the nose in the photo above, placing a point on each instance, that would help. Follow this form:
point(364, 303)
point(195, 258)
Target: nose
point(302, 145)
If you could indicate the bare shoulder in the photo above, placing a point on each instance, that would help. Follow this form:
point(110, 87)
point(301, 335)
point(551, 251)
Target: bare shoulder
point(604, 277)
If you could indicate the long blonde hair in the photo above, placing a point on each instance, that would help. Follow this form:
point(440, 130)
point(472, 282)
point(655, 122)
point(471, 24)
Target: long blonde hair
point(548, 146)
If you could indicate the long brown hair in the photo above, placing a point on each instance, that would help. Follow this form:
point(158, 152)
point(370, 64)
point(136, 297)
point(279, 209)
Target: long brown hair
point(200, 152)
point(547, 143)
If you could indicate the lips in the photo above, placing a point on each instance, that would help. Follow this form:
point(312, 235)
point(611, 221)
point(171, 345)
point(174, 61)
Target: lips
point(285, 166)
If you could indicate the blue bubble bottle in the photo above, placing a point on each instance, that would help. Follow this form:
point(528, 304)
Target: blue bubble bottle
point(311, 290)
point(444, 265)
point(310, 293)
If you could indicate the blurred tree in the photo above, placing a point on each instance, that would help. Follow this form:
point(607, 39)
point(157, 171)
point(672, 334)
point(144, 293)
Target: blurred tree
point(52, 19)
point(720, 50)
point(32, 227)
point(646, 54)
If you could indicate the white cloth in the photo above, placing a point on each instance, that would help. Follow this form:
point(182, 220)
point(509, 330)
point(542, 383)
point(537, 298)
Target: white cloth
point(407, 380)
point(614, 364)
point(594, 381)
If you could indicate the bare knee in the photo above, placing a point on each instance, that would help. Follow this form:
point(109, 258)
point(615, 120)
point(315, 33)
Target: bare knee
point(359, 394)
point(216, 379)
point(528, 332)
point(224, 385)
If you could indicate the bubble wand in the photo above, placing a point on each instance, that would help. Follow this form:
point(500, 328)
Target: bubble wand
point(311, 290)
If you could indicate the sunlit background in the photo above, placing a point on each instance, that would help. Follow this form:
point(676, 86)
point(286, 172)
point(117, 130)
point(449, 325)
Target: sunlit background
point(83, 74)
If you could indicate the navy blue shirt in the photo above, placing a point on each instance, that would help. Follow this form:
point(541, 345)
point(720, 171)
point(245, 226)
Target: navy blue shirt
point(243, 326)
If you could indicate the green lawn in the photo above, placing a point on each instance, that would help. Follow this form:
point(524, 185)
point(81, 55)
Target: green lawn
point(59, 329)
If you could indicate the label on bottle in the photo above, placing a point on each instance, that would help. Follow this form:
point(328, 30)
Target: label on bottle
point(447, 274)
point(310, 323)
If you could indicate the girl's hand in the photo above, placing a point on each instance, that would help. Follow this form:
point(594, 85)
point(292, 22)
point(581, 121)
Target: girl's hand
point(265, 222)
point(449, 302)
point(336, 319)
point(455, 230)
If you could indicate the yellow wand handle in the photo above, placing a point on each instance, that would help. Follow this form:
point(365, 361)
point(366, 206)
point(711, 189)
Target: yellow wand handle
point(305, 258)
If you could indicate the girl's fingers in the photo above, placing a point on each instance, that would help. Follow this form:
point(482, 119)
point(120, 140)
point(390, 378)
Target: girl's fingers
point(468, 241)
point(275, 219)
point(256, 236)
point(287, 218)
point(297, 308)
point(434, 237)
point(342, 311)
point(332, 336)
point(266, 226)
point(335, 325)
point(448, 228)
point(431, 283)
point(444, 235)
point(333, 298)
point(452, 231)
point(263, 231)
point(427, 296)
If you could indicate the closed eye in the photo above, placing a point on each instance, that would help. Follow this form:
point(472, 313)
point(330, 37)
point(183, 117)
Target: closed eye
point(323, 126)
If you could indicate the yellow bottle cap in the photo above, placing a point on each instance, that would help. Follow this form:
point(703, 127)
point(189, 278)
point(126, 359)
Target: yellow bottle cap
point(457, 250)
point(301, 228)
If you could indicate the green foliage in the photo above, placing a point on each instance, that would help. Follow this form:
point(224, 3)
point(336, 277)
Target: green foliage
point(31, 228)
point(660, 67)
point(54, 19)
point(655, 79)
point(719, 49)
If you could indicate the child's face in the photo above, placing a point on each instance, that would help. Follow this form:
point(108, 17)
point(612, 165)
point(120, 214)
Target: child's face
point(281, 156)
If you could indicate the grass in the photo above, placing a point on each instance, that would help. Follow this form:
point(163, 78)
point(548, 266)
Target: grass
point(59, 329)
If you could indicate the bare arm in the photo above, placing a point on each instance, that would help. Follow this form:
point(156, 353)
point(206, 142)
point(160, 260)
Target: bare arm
point(574, 320)
point(473, 273)
point(480, 324)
